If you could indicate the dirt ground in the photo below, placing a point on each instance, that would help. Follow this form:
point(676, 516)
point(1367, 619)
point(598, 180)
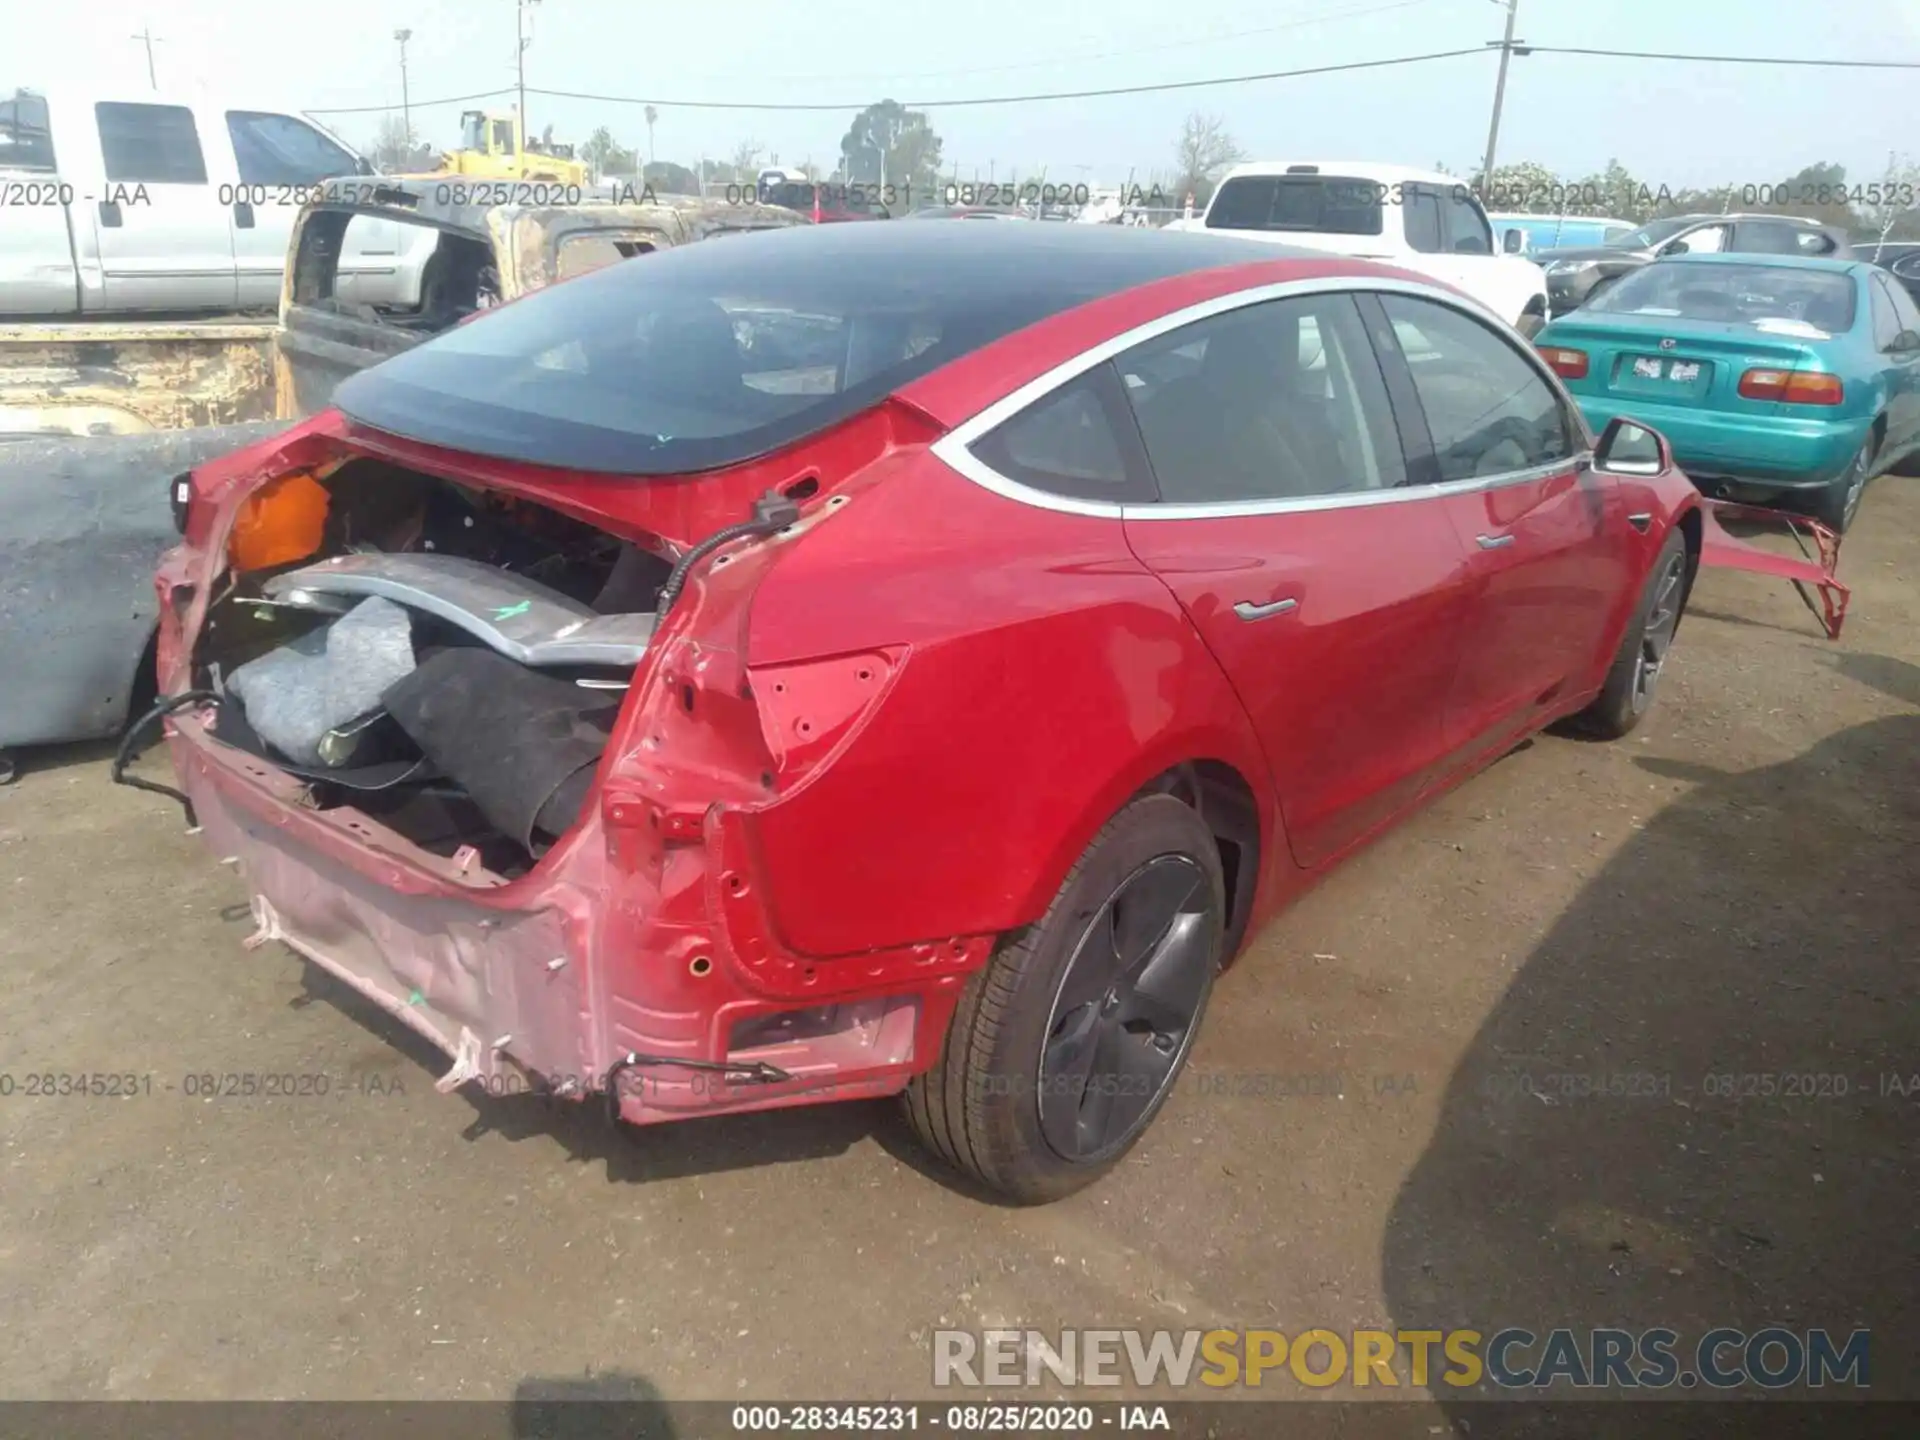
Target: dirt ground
point(1729, 892)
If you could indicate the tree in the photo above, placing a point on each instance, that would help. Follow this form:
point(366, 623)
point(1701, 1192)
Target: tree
point(1522, 185)
point(1202, 151)
point(599, 151)
point(746, 159)
point(1895, 204)
point(1819, 192)
point(666, 178)
point(889, 143)
point(392, 148)
point(1613, 193)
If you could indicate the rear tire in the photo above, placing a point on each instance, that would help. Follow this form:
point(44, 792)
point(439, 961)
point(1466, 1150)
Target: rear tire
point(1067, 1043)
point(1838, 506)
point(1634, 676)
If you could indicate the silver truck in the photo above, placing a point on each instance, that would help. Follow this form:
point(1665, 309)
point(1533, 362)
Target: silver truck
point(121, 205)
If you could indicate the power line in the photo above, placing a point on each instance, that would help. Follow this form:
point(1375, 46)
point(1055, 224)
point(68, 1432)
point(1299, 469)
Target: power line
point(444, 100)
point(1729, 59)
point(1330, 17)
point(1160, 88)
point(1020, 99)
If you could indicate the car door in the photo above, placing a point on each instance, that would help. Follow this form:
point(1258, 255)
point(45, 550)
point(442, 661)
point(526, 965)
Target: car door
point(278, 160)
point(1453, 231)
point(1550, 552)
point(37, 272)
point(1899, 351)
point(160, 230)
point(1332, 594)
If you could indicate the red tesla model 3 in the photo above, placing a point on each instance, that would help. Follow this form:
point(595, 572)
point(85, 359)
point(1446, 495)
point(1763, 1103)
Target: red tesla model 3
point(877, 659)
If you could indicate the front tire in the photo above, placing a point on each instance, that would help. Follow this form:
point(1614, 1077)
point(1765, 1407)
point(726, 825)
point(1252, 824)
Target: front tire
point(1067, 1043)
point(1634, 677)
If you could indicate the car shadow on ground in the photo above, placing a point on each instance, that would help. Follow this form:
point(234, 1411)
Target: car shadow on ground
point(1678, 1115)
point(605, 1405)
point(1806, 623)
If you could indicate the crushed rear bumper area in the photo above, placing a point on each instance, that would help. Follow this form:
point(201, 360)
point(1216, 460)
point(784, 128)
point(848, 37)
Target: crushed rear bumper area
point(498, 989)
point(551, 984)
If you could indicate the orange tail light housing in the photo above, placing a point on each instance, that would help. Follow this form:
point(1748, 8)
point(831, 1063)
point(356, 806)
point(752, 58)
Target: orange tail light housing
point(279, 523)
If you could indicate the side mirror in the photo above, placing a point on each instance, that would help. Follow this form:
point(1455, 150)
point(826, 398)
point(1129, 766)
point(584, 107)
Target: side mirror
point(1629, 448)
point(1514, 242)
point(1674, 247)
point(1905, 342)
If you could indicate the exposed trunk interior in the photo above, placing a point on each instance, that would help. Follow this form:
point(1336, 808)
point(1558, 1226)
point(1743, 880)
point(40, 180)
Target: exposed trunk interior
point(446, 660)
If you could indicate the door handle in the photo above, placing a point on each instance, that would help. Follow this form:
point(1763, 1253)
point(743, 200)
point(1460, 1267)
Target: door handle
point(243, 214)
point(1495, 542)
point(1247, 610)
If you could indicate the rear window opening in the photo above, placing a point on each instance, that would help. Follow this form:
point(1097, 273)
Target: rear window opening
point(444, 660)
point(414, 277)
point(1312, 204)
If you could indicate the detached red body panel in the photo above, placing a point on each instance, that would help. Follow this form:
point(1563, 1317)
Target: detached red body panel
point(1814, 568)
point(860, 751)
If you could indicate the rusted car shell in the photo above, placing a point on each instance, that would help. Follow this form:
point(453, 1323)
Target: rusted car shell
point(90, 378)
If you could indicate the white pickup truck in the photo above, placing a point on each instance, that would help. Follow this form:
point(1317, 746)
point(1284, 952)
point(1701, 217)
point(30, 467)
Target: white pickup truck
point(117, 205)
point(1418, 219)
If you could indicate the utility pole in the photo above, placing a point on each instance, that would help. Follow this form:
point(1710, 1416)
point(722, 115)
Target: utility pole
point(520, 59)
point(1499, 96)
point(147, 37)
point(406, 108)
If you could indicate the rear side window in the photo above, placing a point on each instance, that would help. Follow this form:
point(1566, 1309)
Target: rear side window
point(26, 136)
point(1069, 443)
point(1886, 321)
point(150, 144)
point(1758, 237)
point(1314, 204)
point(280, 150)
point(1904, 307)
point(1487, 408)
point(596, 249)
point(1277, 401)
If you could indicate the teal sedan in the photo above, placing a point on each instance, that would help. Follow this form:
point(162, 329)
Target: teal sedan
point(1776, 379)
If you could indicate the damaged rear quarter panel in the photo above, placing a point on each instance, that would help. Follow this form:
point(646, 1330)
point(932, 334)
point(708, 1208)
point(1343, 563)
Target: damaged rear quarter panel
point(1036, 693)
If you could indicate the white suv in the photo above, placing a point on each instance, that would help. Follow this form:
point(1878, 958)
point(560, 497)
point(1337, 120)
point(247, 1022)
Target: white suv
point(1417, 219)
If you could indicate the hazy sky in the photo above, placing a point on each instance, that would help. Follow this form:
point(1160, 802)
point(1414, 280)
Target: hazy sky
point(1673, 123)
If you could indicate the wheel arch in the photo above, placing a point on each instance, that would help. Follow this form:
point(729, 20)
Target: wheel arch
point(1691, 524)
point(1229, 806)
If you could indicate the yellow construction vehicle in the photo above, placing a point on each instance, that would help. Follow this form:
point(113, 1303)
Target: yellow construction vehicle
point(493, 145)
